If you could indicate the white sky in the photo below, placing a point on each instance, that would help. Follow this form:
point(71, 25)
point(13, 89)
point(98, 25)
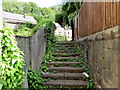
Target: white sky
point(43, 3)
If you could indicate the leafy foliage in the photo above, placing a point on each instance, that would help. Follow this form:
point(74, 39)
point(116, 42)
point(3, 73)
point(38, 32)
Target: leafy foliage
point(42, 15)
point(61, 38)
point(34, 78)
point(24, 30)
point(11, 62)
point(49, 34)
point(68, 12)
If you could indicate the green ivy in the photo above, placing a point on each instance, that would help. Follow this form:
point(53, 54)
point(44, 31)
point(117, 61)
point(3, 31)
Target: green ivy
point(11, 62)
point(34, 78)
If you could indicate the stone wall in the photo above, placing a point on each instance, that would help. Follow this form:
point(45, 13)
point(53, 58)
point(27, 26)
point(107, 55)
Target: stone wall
point(34, 49)
point(101, 54)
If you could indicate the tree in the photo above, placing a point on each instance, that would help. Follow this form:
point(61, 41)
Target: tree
point(69, 11)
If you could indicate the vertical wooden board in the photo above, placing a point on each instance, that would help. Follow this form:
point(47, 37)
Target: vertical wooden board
point(119, 13)
point(100, 15)
point(112, 17)
point(92, 18)
point(109, 15)
point(94, 15)
point(113, 6)
point(115, 13)
point(88, 12)
point(106, 21)
point(83, 25)
point(103, 16)
point(86, 23)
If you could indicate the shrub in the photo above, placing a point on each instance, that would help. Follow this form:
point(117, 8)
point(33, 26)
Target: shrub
point(11, 62)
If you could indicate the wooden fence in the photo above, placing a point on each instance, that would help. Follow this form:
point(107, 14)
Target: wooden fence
point(94, 17)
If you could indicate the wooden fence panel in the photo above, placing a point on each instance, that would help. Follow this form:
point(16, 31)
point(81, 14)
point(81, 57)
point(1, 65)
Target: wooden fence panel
point(96, 16)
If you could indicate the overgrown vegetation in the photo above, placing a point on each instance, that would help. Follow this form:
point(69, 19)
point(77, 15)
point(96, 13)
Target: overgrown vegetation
point(61, 38)
point(34, 77)
point(11, 62)
point(67, 13)
point(41, 15)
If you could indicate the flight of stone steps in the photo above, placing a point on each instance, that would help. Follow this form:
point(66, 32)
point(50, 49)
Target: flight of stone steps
point(64, 70)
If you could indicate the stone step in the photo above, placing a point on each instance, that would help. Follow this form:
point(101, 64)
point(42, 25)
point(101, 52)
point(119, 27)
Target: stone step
point(66, 54)
point(73, 83)
point(67, 57)
point(65, 45)
point(72, 76)
point(65, 50)
point(66, 69)
point(63, 63)
point(66, 42)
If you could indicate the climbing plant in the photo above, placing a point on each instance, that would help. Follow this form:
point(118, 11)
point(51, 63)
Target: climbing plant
point(11, 61)
point(35, 77)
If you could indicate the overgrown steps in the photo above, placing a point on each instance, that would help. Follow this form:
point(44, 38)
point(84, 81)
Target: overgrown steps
point(66, 69)
point(65, 50)
point(65, 73)
point(63, 63)
point(67, 57)
point(71, 83)
point(73, 76)
point(66, 54)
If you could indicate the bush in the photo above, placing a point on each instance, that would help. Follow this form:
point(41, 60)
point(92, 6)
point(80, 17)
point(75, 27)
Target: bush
point(11, 62)
point(61, 38)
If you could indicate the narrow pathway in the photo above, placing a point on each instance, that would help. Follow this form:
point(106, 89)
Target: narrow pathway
point(65, 69)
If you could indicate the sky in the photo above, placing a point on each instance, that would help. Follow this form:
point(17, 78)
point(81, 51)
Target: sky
point(44, 3)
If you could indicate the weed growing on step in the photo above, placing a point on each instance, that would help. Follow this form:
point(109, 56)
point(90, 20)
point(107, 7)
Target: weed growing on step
point(84, 66)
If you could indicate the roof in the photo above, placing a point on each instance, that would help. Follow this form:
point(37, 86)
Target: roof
point(18, 18)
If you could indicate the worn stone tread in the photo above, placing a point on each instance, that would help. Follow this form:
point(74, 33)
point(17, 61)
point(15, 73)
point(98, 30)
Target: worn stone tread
point(65, 50)
point(67, 57)
point(70, 54)
point(63, 63)
point(75, 83)
point(65, 45)
point(65, 69)
point(64, 75)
